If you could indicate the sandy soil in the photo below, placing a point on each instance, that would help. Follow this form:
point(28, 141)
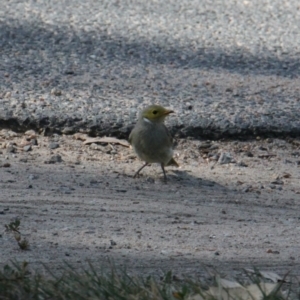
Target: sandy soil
point(226, 216)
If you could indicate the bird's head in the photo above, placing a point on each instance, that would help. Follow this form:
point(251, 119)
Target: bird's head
point(155, 113)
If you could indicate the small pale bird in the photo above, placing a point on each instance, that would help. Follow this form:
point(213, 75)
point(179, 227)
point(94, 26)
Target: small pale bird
point(151, 139)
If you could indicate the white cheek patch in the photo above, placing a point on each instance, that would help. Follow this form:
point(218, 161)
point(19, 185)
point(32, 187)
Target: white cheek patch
point(147, 120)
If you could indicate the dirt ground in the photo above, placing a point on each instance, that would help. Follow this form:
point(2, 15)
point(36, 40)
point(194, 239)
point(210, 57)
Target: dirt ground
point(231, 205)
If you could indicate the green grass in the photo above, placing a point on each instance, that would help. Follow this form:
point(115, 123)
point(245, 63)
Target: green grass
point(17, 282)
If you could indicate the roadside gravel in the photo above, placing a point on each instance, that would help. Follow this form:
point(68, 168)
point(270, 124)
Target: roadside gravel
point(228, 68)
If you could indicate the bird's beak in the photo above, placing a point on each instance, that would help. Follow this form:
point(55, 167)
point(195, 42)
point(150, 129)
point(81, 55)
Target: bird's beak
point(167, 112)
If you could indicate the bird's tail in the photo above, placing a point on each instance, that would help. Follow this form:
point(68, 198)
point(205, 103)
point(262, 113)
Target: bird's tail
point(172, 162)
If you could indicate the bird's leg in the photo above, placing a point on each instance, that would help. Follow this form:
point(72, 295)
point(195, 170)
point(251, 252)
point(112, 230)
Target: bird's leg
point(140, 169)
point(163, 168)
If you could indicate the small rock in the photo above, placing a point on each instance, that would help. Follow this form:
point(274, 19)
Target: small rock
point(32, 177)
point(30, 186)
point(262, 148)
point(54, 159)
point(53, 145)
point(150, 180)
point(241, 164)
point(247, 189)
point(213, 147)
point(205, 145)
point(5, 165)
point(10, 148)
point(27, 148)
point(249, 154)
point(225, 158)
point(34, 142)
point(272, 251)
point(113, 243)
point(30, 134)
point(104, 149)
point(277, 181)
point(56, 92)
point(66, 189)
point(68, 130)
point(286, 175)
point(7, 95)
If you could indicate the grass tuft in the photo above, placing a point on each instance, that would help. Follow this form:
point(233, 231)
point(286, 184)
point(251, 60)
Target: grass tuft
point(17, 282)
point(14, 228)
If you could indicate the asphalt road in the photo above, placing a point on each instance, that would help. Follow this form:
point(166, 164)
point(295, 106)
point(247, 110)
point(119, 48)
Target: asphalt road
point(228, 68)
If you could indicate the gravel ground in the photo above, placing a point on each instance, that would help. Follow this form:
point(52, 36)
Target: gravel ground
point(228, 68)
point(231, 205)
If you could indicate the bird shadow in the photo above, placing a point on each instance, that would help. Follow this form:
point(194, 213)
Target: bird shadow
point(181, 177)
point(185, 178)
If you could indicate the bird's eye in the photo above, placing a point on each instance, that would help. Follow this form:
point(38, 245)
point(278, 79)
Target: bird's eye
point(155, 112)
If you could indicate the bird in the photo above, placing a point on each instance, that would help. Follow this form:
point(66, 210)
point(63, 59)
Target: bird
point(151, 140)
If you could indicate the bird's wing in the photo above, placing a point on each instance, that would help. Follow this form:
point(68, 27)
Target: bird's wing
point(170, 138)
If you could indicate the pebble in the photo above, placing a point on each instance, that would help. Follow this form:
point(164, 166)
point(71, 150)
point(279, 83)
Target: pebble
point(225, 158)
point(277, 181)
point(205, 145)
point(241, 164)
point(34, 142)
point(53, 145)
point(5, 165)
point(249, 154)
point(54, 159)
point(150, 180)
point(113, 243)
point(104, 149)
point(10, 148)
point(213, 147)
point(66, 189)
point(56, 92)
point(27, 148)
point(247, 189)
